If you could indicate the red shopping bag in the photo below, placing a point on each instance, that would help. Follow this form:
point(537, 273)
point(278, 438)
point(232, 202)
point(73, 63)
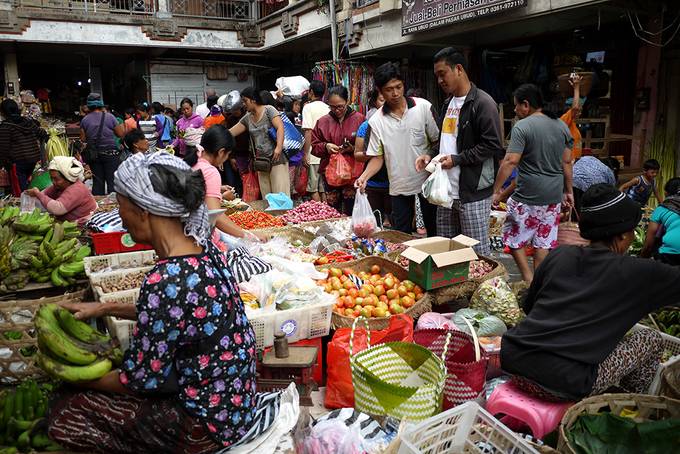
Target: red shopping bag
point(300, 180)
point(465, 364)
point(338, 171)
point(251, 187)
point(357, 169)
point(339, 388)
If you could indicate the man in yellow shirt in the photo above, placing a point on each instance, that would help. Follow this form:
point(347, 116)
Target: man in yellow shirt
point(573, 114)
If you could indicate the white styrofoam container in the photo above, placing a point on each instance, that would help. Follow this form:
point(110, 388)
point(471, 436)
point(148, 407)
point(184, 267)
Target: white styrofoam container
point(670, 343)
point(467, 428)
point(120, 329)
point(125, 296)
point(134, 259)
point(304, 323)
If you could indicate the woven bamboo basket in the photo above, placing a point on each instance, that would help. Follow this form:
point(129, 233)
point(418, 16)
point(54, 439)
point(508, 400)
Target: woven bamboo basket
point(423, 305)
point(647, 407)
point(467, 288)
point(393, 236)
point(17, 316)
point(291, 234)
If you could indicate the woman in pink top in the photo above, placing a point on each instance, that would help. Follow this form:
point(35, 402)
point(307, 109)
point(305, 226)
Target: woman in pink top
point(217, 143)
point(189, 129)
point(68, 199)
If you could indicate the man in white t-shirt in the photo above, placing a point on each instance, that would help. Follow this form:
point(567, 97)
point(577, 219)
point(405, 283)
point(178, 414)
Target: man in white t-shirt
point(401, 130)
point(469, 147)
point(202, 110)
point(314, 109)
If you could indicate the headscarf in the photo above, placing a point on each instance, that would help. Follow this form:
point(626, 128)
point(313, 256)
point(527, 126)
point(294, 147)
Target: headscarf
point(69, 167)
point(607, 212)
point(94, 100)
point(133, 180)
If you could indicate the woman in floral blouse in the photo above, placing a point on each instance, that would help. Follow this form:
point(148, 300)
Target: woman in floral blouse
point(187, 383)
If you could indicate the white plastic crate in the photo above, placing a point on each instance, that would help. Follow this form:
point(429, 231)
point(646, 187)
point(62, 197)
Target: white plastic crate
point(670, 343)
point(298, 324)
point(98, 263)
point(467, 428)
point(125, 296)
point(120, 329)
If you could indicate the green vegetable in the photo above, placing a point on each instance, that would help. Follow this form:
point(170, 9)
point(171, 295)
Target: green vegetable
point(484, 324)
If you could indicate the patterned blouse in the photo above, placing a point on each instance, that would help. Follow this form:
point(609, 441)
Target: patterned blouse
point(183, 301)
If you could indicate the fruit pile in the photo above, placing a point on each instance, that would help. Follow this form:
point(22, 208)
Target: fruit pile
point(253, 219)
point(379, 296)
point(71, 350)
point(22, 419)
point(34, 247)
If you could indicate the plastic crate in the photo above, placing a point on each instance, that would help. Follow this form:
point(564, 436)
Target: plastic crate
point(670, 343)
point(120, 329)
point(125, 296)
point(115, 242)
point(99, 263)
point(97, 280)
point(303, 323)
point(467, 428)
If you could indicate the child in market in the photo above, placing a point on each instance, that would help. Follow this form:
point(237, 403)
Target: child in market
point(640, 188)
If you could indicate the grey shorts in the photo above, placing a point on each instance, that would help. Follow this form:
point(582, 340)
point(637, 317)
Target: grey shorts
point(315, 181)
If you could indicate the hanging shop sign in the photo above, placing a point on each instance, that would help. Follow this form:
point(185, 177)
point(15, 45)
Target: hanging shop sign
point(420, 15)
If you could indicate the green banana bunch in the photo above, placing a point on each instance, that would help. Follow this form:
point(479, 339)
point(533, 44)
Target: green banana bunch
point(74, 374)
point(34, 222)
point(8, 214)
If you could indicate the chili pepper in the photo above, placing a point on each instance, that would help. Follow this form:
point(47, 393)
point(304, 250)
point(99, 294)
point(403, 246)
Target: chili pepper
point(250, 220)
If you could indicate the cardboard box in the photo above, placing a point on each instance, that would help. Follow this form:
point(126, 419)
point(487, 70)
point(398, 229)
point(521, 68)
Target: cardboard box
point(438, 262)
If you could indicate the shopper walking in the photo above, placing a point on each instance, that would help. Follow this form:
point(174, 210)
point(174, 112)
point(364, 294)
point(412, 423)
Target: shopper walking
point(20, 140)
point(470, 148)
point(189, 128)
point(165, 123)
point(401, 130)
point(314, 109)
point(152, 127)
point(97, 131)
point(269, 161)
point(239, 160)
point(335, 133)
point(540, 147)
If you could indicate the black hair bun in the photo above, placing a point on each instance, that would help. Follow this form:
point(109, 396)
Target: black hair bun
point(182, 186)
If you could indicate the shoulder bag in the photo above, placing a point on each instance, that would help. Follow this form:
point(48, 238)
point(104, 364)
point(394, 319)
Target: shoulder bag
point(261, 163)
point(91, 151)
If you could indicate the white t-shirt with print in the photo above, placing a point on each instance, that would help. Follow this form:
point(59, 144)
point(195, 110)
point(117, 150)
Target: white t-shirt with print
point(401, 141)
point(311, 113)
point(447, 142)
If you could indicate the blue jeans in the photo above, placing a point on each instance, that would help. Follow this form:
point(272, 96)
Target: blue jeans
point(102, 173)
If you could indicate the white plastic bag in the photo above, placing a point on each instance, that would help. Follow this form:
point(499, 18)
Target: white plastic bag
point(437, 188)
point(363, 221)
point(292, 86)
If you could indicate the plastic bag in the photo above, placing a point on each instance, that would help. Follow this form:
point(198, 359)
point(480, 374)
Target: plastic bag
point(300, 180)
point(278, 201)
point(251, 187)
point(433, 320)
point(27, 203)
point(485, 325)
point(293, 86)
point(339, 171)
point(437, 188)
point(230, 101)
point(496, 297)
point(339, 388)
point(363, 221)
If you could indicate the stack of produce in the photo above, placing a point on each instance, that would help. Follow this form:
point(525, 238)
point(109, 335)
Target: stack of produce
point(496, 297)
point(34, 247)
point(311, 211)
point(338, 256)
point(71, 350)
point(479, 269)
point(22, 419)
point(252, 219)
point(379, 295)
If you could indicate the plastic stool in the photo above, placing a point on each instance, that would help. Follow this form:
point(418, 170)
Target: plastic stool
point(541, 416)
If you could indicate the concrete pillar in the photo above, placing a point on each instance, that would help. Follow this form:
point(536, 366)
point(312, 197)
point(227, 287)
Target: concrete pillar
point(164, 11)
point(11, 74)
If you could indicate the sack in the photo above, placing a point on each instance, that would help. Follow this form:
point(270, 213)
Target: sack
point(300, 180)
point(292, 85)
point(339, 388)
point(262, 164)
point(437, 188)
point(497, 298)
point(338, 171)
point(363, 221)
point(398, 379)
point(251, 187)
point(465, 364)
point(292, 138)
point(568, 233)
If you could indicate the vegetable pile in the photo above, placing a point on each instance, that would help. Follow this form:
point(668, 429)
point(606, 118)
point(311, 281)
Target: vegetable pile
point(668, 321)
point(485, 325)
point(479, 268)
point(338, 256)
point(495, 297)
point(311, 211)
point(250, 220)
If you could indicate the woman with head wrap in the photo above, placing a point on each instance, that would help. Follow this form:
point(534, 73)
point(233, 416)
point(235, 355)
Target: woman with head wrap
point(582, 303)
point(68, 199)
point(97, 130)
point(187, 382)
point(20, 139)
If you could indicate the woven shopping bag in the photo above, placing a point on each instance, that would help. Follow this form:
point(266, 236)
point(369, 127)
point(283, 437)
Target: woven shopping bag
point(568, 232)
point(398, 379)
point(465, 364)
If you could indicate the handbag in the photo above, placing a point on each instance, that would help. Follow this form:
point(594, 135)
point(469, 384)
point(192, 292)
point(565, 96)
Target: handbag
point(260, 163)
point(292, 138)
point(91, 151)
point(568, 233)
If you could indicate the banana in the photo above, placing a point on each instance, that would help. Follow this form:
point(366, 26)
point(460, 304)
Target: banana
point(49, 250)
point(116, 356)
point(78, 329)
point(74, 374)
point(46, 319)
point(57, 280)
point(57, 342)
point(36, 264)
point(71, 269)
point(58, 235)
point(83, 252)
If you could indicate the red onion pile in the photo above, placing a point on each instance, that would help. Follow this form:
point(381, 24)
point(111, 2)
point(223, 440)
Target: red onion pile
point(310, 211)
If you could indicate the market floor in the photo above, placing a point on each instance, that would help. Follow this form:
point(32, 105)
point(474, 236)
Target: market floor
point(509, 264)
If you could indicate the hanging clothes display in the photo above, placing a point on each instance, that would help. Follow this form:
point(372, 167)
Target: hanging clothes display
point(356, 77)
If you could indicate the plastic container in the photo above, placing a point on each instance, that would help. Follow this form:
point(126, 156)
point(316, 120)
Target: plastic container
point(120, 329)
point(303, 323)
point(98, 263)
point(115, 242)
point(98, 280)
point(670, 343)
point(467, 428)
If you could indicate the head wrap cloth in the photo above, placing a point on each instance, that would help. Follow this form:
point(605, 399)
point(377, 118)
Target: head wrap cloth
point(69, 167)
point(133, 180)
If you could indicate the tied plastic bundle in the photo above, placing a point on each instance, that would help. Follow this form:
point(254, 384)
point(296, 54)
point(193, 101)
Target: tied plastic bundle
point(437, 188)
point(496, 297)
point(363, 221)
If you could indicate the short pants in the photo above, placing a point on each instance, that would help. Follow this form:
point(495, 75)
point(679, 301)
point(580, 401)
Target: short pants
point(534, 225)
point(314, 180)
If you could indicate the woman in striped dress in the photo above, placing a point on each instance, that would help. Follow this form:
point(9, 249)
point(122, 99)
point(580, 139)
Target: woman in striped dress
point(150, 126)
